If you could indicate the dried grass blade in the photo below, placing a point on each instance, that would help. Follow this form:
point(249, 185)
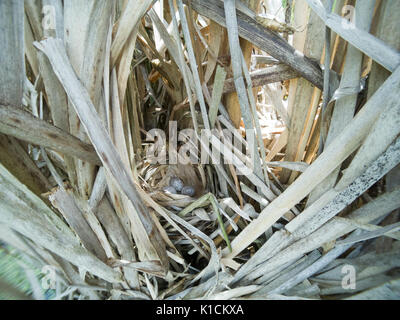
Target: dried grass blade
point(12, 54)
point(130, 17)
point(31, 217)
point(37, 131)
point(193, 65)
point(346, 143)
point(99, 136)
point(364, 41)
point(65, 203)
point(219, 79)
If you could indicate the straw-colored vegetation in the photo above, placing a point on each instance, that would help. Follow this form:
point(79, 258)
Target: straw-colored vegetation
point(307, 203)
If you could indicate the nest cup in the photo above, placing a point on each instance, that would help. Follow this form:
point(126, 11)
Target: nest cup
point(183, 178)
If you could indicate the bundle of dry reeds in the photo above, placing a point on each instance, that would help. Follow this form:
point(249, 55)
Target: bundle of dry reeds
point(202, 149)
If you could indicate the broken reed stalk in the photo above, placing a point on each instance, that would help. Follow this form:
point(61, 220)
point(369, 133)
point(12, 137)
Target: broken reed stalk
point(262, 38)
point(23, 125)
point(101, 140)
point(362, 40)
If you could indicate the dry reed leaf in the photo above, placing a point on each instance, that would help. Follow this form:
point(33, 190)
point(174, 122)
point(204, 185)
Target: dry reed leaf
point(335, 153)
point(105, 148)
point(54, 236)
point(126, 24)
